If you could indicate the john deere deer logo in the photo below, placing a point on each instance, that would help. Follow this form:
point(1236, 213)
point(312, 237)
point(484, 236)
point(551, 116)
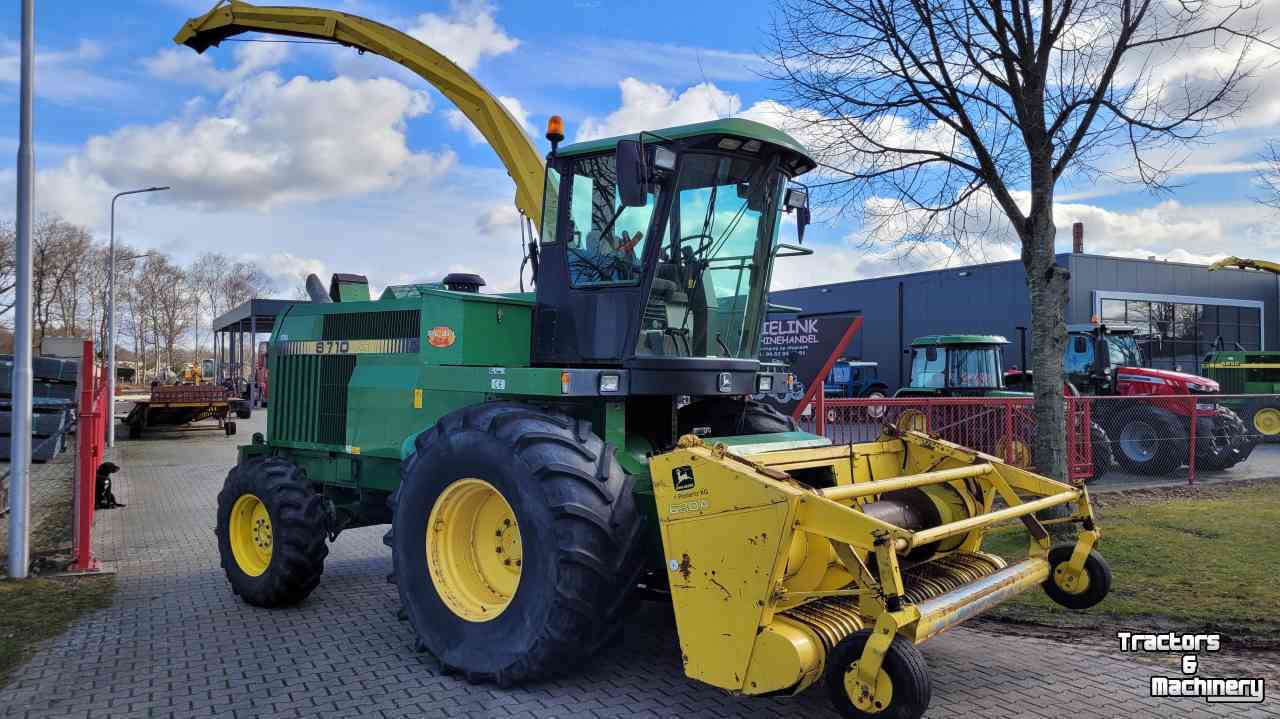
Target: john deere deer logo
point(682, 478)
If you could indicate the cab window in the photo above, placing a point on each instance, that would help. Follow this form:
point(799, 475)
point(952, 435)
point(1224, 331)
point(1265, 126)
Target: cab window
point(928, 367)
point(1079, 355)
point(606, 240)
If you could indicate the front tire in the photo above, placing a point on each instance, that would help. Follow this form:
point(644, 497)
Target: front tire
point(1221, 441)
point(564, 550)
point(271, 532)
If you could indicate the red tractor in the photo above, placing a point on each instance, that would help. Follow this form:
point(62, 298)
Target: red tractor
point(1149, 437)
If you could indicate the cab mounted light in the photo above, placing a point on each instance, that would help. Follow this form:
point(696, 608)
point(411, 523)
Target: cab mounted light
point(764, 383)
point(555, 132)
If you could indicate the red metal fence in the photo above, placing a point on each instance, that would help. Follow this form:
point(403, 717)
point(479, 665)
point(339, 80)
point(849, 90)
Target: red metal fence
point(94, 413)
point(1152, 436)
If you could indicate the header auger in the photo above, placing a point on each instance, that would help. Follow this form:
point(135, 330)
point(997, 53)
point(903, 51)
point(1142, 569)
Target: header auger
point(538, 454)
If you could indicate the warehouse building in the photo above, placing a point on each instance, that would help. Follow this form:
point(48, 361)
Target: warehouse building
point(1180, 309)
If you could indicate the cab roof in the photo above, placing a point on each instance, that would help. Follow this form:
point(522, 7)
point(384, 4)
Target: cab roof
point(940, 340)
point(735, 126)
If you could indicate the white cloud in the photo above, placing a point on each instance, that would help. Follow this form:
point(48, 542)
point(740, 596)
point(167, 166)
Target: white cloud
point(67, 75)
point(459, 121)
point(183, 65)
point(271, 142)
point(649, 106)
point(467, 34)
point(501, 219)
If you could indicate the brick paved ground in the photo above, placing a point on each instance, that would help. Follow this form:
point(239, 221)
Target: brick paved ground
point(176, 643)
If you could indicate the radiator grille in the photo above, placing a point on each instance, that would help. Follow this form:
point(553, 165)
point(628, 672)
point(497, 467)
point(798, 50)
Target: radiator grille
point(395, 324)
point(314, 390)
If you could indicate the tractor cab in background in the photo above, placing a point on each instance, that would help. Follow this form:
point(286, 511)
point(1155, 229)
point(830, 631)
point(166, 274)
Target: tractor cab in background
point(854, 378)
point(655, 254)
point(956, 366)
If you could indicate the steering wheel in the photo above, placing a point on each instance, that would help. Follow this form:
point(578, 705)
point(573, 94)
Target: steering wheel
point(700, 235)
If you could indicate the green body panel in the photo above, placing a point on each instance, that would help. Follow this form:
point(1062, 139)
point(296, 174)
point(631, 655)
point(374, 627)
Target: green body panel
point(347, 410)
point(1244, 372)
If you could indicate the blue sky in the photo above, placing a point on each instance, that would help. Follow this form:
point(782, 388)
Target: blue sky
point(312, 158)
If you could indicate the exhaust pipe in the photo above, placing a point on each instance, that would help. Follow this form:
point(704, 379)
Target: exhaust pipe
point(317, 291)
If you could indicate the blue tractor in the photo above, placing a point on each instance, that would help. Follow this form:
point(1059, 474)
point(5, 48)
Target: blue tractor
point(854, 378)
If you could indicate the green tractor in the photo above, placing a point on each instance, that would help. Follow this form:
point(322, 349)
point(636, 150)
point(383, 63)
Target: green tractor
point(539, 455)
point(1242, 371)
point(973, 366)
point(435, 407)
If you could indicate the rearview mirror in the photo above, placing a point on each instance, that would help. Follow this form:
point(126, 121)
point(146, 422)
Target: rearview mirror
point(632, 174)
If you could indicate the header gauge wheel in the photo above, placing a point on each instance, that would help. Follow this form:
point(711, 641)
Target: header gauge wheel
point(902, 691)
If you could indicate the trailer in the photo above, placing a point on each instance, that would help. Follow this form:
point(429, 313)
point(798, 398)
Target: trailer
point(185, 405)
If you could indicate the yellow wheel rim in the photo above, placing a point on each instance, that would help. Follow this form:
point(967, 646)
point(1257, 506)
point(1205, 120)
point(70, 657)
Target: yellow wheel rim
point(1267, 421)
point(250, 535)
point(913, 420)
point(1014, 451)
point(1070, 582)
point(870, 703)
point(474, 554)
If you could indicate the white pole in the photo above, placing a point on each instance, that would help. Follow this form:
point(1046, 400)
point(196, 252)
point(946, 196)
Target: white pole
point(20, 433)
point(111, 315)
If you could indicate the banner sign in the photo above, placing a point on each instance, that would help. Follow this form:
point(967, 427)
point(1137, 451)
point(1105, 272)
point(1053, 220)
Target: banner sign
point(809, 345)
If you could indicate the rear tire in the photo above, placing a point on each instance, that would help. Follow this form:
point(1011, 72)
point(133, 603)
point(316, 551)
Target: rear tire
point(294, 532)
point(1149, 440)
point(726, 417)
point(573, 509)
point(1262, 419)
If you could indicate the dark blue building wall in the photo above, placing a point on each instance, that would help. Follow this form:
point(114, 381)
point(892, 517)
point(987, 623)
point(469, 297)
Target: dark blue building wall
point(992, 298)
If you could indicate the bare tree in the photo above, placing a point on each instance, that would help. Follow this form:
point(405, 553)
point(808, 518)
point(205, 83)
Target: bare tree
point(58, 250)
point(949, 120)
point(8, 266)
point(1269, 176)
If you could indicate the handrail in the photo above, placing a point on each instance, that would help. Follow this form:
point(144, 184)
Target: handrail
point(490, 117)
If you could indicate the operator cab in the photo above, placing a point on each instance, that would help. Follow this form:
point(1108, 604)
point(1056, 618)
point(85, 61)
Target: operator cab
point(656, 251)
point(1095, 351)
point(956, 365)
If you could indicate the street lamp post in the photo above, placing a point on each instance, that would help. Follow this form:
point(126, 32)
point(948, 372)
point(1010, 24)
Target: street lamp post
point(111, 315)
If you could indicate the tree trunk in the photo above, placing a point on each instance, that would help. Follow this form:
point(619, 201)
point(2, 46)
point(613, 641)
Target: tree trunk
point(1047, 289)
